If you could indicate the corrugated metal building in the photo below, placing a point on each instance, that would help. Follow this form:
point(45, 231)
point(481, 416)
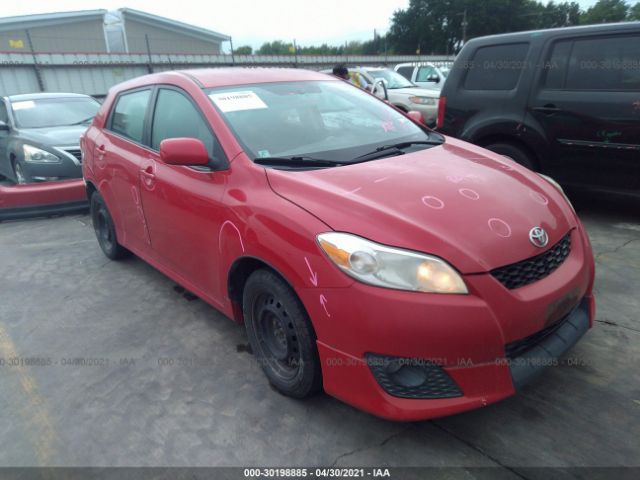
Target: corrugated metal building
point(98, 31)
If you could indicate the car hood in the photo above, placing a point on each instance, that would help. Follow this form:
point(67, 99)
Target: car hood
point(53, 136)
point(460, 202)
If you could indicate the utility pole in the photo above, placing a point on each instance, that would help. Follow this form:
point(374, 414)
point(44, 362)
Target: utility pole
point(36, 67)
point(150, 64)
point(233, 58)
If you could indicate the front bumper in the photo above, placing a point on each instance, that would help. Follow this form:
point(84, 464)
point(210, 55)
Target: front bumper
point(465, 335)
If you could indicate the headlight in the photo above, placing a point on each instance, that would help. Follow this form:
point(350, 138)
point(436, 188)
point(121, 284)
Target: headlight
point(389, 267)
point(423, 100)
point(35, 155)
point(560, 189)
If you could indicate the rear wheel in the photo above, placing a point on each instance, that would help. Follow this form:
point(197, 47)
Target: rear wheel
point(281, 335)
point(515, 153)
point(105, 229)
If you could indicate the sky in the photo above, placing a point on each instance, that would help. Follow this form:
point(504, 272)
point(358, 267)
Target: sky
point(252, 22)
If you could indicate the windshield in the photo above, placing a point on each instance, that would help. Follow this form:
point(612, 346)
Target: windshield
point(393, 79)
point(54, 112)
point(331, 120)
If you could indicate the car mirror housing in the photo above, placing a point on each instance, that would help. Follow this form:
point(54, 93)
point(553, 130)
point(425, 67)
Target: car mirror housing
point(433, 78)
point(184, 151)
point(4, 127)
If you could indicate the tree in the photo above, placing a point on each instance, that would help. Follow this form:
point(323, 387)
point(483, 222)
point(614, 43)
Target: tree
point(277, 47)
point(606, 11)
point(634, 12)
point(243, 50)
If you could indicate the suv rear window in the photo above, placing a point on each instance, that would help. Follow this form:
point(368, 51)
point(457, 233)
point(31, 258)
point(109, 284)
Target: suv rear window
point(497, 67)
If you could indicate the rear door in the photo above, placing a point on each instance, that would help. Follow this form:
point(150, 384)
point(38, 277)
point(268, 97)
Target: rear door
point(183, 205)
point(118, 154)
point(587, 100)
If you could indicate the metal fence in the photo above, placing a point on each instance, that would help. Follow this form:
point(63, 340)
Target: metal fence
point(94, 74)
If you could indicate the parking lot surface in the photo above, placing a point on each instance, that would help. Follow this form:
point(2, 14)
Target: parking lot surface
point(112, 364)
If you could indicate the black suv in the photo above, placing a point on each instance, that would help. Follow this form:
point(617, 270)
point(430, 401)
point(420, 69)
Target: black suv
point(564, 102)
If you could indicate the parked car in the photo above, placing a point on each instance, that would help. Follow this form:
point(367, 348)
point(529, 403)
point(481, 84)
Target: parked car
point(400, 92)
point(565, 102)
point(40, 135)
point(423, 74)
point(409, 274)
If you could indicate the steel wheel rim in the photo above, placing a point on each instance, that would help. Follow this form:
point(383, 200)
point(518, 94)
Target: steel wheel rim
point(276, 336)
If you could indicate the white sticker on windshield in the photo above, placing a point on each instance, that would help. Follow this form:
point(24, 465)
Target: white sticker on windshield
point(234, 101)
point(23, 105)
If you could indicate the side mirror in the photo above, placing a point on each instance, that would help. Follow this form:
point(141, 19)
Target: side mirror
point(433, 78)
point(183, 151)
point(416, 117)
point(4, 127)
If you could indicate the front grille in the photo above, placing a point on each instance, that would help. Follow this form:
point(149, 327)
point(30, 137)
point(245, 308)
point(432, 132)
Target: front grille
point(535, 268)
point(412, 378)
point(75, 152)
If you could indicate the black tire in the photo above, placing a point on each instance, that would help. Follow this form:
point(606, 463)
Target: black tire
point(21, 177)
point(515, 153)
point(281, 335)
point(105, 229)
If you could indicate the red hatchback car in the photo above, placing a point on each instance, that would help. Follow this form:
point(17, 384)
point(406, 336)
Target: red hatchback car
point(407, 273)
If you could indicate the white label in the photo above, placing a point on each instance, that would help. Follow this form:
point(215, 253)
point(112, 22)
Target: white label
point(23, 105)
point(234, 101)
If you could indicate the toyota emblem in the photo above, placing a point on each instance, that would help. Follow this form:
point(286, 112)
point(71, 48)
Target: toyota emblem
point(538, 236)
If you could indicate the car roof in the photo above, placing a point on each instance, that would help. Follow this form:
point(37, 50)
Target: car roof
point(227, 76)
point(551, 32)
point(36, 96)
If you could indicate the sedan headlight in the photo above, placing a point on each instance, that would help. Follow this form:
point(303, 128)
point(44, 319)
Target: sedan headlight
point(560, 189)
point(423, 100)
point(36, 155)
point(389, 267)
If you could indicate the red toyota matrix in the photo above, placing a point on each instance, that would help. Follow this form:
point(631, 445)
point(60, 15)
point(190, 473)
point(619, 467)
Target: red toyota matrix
point(406, 273)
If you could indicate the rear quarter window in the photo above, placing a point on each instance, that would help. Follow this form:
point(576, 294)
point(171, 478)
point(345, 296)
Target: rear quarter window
point(496, 67)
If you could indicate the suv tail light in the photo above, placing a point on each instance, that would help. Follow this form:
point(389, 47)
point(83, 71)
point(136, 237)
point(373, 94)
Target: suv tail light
point(442, 104)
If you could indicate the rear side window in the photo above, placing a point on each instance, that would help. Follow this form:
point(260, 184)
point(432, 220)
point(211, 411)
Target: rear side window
point(604, 64)
point(556, 67)
point(127, 117)
point(496, 67)
point(406, 72)
point(176, 116)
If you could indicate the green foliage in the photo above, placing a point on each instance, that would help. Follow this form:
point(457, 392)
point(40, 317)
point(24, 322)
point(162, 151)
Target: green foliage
point(634, 12)
point(243, 50)
point(606, 11)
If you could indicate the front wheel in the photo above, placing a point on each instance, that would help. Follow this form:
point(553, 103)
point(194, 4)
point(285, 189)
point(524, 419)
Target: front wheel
point(514, 153)
point(105, 229)
point(21, 177)
point(281, 335)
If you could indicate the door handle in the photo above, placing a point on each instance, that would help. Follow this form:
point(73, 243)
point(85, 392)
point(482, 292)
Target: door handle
point(148, 176)
point(101, 151)
point(548, 109)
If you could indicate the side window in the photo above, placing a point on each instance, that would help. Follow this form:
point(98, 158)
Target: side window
point(176, 116)
point(556, 66)
point(424, 73)
point(406, 72)
point(605, 64)
point(4, 117)
point(496, 67)
point(127, 117)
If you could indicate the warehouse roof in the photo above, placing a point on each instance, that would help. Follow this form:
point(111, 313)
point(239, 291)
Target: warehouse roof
point(170, 24)
point(48, 19)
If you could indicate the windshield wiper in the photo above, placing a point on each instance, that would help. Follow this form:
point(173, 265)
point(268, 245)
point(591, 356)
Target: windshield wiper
point(395, 149)
point(81, 121)
point(296, 161)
